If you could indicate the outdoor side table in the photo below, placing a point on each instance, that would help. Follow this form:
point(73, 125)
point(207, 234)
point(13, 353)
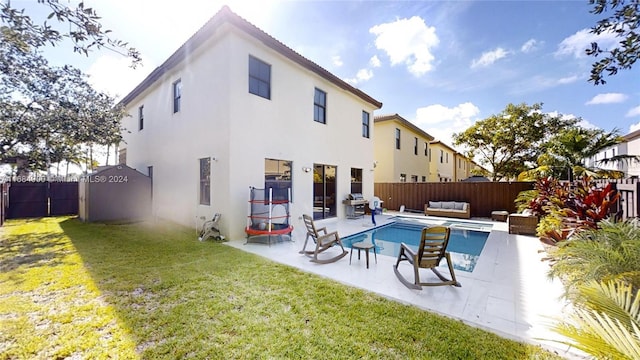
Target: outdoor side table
point(366, 246)
point(499, 215)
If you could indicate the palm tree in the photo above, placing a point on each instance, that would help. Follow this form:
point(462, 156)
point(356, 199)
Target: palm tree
point(573, 145)
point(566, 152)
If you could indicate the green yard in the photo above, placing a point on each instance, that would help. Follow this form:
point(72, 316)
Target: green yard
point(91, 291)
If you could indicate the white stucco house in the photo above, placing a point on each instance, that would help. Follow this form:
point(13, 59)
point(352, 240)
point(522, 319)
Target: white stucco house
point(234, 108)
point(630, 146)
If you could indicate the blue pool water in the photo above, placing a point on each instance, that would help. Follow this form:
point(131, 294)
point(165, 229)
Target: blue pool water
point(465, 245)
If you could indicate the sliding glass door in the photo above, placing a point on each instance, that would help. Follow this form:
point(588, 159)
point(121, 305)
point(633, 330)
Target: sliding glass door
point(324, 191)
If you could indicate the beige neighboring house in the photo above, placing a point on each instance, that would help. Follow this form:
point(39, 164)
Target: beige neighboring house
point(463, 167)
point(401, 150)
point(442, 165)
point(234, 108)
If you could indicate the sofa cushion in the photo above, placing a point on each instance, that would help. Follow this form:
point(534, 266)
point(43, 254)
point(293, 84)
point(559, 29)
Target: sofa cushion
point(459, 205)
point(435, 204)
point(465, 206)
point(448, 205)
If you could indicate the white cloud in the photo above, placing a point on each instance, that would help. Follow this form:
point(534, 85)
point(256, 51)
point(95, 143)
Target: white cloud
point(577, 43)
point(634, 127)
point(531, 45)
point(608, 98)
point(375, 62)
point(409, 42)
point(361, 75)
point(633, 112)
point(568, 80)
point(489, 57)
point(582, 122)
point(442, 122)
point(113, 75)
point(336, 60)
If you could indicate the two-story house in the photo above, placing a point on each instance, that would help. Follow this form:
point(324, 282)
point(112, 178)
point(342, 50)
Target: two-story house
point(462, 167)
point(630, 146)
point(442, 162)
point(234, 108)
point(401, 150)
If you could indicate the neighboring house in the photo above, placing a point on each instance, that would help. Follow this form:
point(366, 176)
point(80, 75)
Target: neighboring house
point(462, 166)
point(401, 150)
point(234, 108)
point(631, 146)
point(442, 164)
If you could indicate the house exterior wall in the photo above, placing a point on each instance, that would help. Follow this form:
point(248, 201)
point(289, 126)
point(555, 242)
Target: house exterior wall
point(441, 167)
point(392, 162)
point(633, 148)
point(220, 119)
point(462, 167)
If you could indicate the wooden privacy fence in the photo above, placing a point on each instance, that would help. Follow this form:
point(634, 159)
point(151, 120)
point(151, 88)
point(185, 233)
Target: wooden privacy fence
point(38, 199)
point(484, 197)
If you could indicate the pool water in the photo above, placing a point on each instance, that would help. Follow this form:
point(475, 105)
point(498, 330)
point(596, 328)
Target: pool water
point(465, 245)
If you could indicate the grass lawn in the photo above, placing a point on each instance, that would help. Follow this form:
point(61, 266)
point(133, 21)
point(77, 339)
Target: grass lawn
point(92, 291)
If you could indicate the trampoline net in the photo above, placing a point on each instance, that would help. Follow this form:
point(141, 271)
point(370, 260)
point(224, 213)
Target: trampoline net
point(265, 210)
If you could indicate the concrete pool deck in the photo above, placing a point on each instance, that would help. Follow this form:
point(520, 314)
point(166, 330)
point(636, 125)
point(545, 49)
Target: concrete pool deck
point(508, 292)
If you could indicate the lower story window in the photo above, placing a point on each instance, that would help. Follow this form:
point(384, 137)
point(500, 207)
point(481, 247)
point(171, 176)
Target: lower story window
point(205, 181)
point(277, 176)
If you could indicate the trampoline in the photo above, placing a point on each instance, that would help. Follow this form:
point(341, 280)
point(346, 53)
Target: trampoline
point(268, 214)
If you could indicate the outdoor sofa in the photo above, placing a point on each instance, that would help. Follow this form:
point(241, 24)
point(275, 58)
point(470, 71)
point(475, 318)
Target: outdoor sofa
point(455, 209)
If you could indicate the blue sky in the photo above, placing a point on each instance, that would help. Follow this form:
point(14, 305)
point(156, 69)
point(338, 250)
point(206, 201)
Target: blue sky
point(440, 64)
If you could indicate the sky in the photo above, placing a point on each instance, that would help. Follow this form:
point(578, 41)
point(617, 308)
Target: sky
point(440, 64)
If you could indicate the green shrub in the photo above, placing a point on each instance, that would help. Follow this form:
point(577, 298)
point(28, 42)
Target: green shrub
point(606, 254)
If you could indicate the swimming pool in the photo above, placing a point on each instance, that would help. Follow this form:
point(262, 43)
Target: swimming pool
point(465, 245)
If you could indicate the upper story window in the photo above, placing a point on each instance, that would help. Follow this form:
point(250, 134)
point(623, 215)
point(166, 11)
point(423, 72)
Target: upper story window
point(426, 149)
point(259, 78)
point(141, 117)
point(177, 95)
point(320, 106)
point(398, 139)
point(415, 146)
point(365, 124)
point(441, 156)
point(447, 157)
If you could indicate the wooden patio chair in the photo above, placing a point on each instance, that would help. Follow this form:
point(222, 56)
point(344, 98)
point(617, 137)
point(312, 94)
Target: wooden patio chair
point(432, 248)
point(323, 241)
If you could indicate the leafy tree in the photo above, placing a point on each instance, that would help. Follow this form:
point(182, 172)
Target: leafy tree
point(511, 140)
point(84, 30)
point(624, 23)
point(47, 112)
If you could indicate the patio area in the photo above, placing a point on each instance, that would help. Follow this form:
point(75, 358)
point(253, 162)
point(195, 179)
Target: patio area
point(507, 293)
